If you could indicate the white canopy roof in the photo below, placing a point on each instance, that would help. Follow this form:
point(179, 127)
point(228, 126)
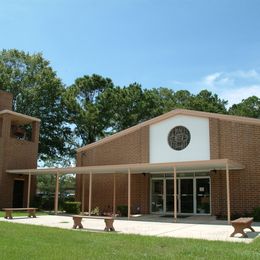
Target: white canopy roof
point(188, 166)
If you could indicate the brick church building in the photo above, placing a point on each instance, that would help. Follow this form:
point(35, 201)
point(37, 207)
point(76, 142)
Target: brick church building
point(216, 159)
point(182, 163)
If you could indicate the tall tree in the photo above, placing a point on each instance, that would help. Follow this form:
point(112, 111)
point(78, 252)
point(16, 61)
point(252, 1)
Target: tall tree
point(125, 107)
point(183, 99)
point(130, 105)
point(208, 102)
point(81, 100)
point(37, 92)
point(249, 107)
point(166, 99)
point(157, 101)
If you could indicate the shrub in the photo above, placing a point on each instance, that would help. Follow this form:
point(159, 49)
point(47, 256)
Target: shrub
point(123, 210)
point(256, 214)
point(72, 207)
point(95, 211)
point(44, 202)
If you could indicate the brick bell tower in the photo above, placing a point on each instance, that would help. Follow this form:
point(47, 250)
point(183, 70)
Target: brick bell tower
point(19, 139)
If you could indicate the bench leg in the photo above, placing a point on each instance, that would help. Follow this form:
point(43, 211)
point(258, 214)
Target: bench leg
point(31, 213)
point(239, 230)
point(109, 225)
point(77, 222)
point(252, 229)
point(243, 234)
point(8, 214)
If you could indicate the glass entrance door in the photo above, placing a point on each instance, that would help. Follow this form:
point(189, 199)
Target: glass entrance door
point(186, 195)
point(18, 192)
point(193, 195)
point(203, 195)
point(170, 195)
point(157, 197)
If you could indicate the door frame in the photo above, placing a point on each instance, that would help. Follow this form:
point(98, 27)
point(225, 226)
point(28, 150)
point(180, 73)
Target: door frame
point(194, 178)
point(195, 200)
point(20, 180)
point(151, 188)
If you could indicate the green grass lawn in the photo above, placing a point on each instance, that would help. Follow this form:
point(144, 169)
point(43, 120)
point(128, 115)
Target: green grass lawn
point(19, 241)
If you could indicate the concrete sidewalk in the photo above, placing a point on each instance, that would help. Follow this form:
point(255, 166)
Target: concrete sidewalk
point(197, 228)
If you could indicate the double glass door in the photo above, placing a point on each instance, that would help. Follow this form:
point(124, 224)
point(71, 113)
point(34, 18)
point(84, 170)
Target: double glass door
point(203, 196)
point(157, 200)
point(193, 195)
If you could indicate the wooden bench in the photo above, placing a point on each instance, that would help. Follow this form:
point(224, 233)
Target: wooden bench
point(108, 221)
point(9, 211)
point(240, 224)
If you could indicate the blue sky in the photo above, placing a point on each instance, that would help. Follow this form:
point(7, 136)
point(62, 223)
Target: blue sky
point(184, 44)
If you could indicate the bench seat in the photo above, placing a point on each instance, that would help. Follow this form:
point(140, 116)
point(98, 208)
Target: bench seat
point(240, 224)
point(9, 211)
point(109, 221)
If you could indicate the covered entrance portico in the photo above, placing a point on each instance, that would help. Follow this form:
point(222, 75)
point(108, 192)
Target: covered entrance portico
point(172, 168)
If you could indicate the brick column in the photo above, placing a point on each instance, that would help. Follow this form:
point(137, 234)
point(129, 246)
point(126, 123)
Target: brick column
point(35, 131)
point(6, 127)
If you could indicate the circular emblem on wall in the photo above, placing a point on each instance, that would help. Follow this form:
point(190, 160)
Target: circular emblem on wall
point(179, 138)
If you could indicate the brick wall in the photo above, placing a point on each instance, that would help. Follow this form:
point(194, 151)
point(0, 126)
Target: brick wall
point(232, 140)
point(15, 154)
point(103, 186)
point(18, 154)
point(6, 100)
point(131, 148)
point(239, 142)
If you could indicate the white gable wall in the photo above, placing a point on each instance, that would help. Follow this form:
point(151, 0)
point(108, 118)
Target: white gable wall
point(198, 148)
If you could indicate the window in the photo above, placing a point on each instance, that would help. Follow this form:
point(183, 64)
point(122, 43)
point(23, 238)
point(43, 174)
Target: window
point(179, 138)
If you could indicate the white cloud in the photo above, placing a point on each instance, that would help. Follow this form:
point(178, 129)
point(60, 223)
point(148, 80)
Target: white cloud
point(231, 79)
point(233, 86)
point(211, 79)
point(235, 96)
point(250, 74)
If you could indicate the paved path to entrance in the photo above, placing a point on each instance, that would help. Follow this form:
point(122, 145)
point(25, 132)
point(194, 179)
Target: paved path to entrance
point(198, 228)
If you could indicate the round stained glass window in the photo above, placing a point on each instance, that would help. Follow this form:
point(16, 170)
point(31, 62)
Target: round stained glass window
point(179, 138)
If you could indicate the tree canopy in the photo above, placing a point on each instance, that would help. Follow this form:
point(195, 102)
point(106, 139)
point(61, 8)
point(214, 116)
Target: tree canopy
point(37, 92)
point(93, 107)
point(81, 100)
point(249, 107)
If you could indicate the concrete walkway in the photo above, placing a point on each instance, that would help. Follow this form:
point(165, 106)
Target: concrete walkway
point(193, 227)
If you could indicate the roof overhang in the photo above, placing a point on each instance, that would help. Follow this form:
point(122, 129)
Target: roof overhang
point(19, 118)
point(188, 166)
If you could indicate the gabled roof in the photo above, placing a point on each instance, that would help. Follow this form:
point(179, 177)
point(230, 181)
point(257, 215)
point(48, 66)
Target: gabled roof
point(18, 117)
point(230, 118)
